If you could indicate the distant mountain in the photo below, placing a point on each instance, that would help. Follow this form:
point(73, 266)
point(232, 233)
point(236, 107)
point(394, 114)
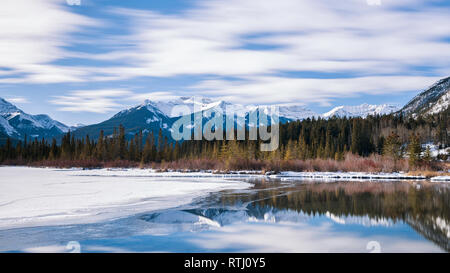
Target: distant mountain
point(431, 101)
point(16, 124)
point(145, 117)
point(362, 110)
point(153, 115)
point(166, 106)
point(293, 112)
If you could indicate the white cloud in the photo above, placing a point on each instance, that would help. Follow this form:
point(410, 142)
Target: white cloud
point(32, 36)
point(215, 38)
point(267, 90)
point(94, 101)
point(155, 96)
point(18, 100)
point(251, 90)
point(253, 41)
point(321, 36)
point(104, 100)
point(73, 2)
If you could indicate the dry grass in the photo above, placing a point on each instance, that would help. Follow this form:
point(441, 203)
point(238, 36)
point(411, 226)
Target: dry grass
point(351, 163)
point(427, 173)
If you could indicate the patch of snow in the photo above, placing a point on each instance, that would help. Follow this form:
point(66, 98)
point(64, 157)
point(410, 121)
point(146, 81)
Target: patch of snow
point(441, 178)
point(434, 149)
point(151, 120)
point(333, 176)
point(9, 130)
point(440, 105)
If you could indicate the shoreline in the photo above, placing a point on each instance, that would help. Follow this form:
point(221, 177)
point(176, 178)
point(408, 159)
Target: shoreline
point(284, 175)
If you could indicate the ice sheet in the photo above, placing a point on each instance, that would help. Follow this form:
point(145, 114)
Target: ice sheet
point(38, 196)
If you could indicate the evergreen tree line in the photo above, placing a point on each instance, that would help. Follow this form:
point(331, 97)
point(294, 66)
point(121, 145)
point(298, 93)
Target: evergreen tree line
point(332, 138)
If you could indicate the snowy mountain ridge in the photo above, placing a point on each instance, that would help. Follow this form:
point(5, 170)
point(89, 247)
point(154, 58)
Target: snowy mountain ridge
point(157, 114)
point(431, 101)
point(362, 110)
point(16, 123)
point(292, 112)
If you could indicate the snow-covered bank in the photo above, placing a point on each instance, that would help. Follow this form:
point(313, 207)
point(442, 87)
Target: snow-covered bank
point(441, 179)
point(35, 196)
point(323, 176)
point(346, 176)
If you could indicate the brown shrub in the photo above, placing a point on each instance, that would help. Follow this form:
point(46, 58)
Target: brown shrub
point(351, 163)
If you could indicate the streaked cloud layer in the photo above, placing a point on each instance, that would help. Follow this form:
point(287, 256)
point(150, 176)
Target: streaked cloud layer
point(247, 51)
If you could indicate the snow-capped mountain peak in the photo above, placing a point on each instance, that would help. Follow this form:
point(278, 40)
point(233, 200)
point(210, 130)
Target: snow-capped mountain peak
point(362, 110)
point(47, 122)
point(7, 107)
point(297, 112)
point(291, 112)
point(16, 123)
point(193, 104)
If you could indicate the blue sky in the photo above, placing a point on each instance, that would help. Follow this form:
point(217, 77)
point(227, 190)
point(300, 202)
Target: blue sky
point(81, 61)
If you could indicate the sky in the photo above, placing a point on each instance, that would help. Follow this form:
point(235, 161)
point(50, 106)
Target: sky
point(81, 61)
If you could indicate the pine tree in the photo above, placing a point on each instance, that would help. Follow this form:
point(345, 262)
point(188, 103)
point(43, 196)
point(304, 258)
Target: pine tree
point(289, 151)
point(392, 148)
point(53, 150)
point(427, 157)
point(100, 148)
point(414, 150)
point(148, 152)
point(356, 137)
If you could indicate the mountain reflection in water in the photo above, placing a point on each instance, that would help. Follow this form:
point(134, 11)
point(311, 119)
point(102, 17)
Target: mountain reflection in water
point(423, 206)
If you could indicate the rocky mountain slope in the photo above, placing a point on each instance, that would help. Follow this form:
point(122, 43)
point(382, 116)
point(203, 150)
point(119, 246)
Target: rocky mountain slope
point(431, 101)
point(15, 123)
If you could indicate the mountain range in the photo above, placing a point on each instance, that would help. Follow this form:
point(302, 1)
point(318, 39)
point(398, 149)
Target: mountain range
point(155, 115)
point(17, 124)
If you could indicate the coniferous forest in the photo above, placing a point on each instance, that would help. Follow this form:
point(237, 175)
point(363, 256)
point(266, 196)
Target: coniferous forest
point(375, 143)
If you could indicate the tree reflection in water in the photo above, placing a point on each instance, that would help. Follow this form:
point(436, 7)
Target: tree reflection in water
point(424, 206)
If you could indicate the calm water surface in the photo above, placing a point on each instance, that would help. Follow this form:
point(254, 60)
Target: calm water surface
point(271, 216)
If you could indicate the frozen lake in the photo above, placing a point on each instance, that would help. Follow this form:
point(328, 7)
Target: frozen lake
point(45, 210)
